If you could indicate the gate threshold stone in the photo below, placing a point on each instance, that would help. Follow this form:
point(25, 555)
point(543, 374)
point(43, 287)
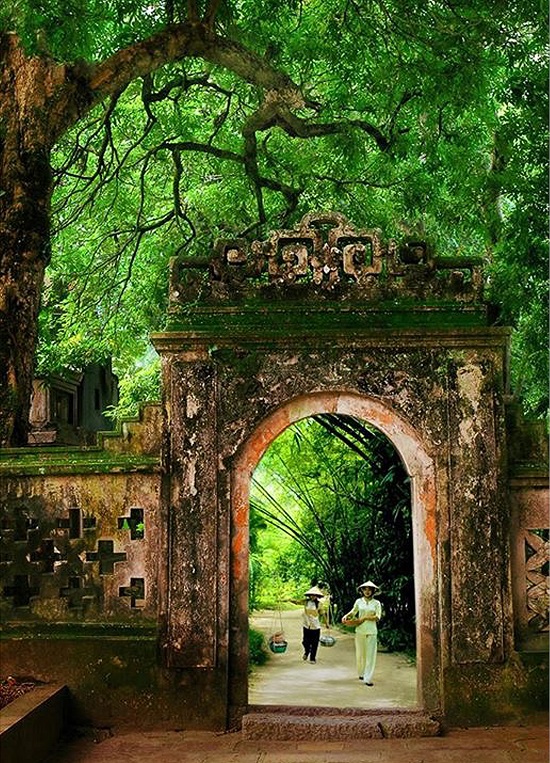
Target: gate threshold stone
point(333, 724)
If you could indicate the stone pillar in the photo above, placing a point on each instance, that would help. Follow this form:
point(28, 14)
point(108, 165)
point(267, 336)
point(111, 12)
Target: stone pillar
point(193, 606)
point(480, 606)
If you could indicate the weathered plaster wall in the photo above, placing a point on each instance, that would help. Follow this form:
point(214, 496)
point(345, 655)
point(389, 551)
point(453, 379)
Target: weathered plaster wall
point(447, 388)
point(84, 580)
point(178, 657)
point(326, 310)
point(82, 536)
point(80, 571)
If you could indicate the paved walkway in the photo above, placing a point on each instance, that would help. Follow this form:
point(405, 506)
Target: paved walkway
point(287, 680)
point(527, 744)
point(332, 681)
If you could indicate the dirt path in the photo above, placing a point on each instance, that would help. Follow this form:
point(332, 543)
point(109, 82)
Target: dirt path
point(332, 682)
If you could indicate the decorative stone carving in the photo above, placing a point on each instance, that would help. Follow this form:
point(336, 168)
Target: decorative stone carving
point(324, 257)
point(53, 563)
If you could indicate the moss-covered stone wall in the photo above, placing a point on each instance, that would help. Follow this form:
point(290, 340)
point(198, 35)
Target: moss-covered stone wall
point(124, 567)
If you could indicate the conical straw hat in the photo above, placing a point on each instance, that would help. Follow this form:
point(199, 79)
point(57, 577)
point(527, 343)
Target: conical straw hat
point(369, 584)
point(314, 591)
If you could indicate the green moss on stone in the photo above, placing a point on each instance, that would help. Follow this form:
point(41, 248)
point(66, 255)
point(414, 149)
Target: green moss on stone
point(306, 319)
point(60, 631)
point(34, 461)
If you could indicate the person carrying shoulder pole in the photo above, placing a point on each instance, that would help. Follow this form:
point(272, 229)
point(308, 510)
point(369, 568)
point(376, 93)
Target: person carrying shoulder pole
point(311, 623)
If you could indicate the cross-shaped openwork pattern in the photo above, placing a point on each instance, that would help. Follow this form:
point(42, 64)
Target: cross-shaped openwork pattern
point(59, 559)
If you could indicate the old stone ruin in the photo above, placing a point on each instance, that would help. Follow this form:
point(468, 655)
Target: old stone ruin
point(68, 407)
point(124, 565)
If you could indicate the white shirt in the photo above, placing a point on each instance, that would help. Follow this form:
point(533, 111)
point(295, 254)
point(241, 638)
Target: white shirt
point(310, 616)
point(363, 607)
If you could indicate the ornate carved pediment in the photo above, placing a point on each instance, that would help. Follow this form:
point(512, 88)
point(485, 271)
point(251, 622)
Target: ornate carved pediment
point(325, 258)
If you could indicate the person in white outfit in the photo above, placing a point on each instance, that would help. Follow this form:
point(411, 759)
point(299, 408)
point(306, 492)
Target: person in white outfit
point(365, 614)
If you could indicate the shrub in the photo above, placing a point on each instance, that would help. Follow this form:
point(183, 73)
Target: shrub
point(257, 651)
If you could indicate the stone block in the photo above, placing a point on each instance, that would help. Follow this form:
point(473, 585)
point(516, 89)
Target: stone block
point(333, 727)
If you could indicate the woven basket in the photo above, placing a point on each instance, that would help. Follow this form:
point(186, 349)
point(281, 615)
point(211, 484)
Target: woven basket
point(351, 623)
point(278, 647)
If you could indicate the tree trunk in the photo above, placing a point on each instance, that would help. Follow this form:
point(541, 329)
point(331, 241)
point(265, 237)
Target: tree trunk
point(25, 193)
point(39, 100)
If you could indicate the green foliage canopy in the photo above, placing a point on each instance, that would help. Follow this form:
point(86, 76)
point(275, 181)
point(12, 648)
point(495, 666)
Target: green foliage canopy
point(340, 491)
point(419, 118)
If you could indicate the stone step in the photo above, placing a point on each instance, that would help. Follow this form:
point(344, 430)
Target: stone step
point(284, 726)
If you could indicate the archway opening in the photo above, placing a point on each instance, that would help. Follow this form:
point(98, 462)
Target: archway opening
point(330, 506)
point(420, 468)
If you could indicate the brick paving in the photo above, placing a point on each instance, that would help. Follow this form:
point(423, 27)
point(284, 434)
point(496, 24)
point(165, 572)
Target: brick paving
point(511, 744)
point(333, 677)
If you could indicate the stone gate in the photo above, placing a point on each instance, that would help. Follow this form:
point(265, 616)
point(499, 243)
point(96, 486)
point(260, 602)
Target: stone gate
point(134, 555)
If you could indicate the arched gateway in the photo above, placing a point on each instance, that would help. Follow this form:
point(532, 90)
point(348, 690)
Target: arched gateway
point(124, 567)
point(327, 318)
point(420, 469)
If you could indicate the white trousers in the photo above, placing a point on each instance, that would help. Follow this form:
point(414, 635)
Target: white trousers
point(365, 654)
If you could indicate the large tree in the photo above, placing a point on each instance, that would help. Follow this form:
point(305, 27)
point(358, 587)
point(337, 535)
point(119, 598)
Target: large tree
point(40, 99)
point(406, 99)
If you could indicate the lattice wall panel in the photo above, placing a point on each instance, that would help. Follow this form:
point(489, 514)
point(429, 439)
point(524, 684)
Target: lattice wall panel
point(70, 565)
point(537, 581)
